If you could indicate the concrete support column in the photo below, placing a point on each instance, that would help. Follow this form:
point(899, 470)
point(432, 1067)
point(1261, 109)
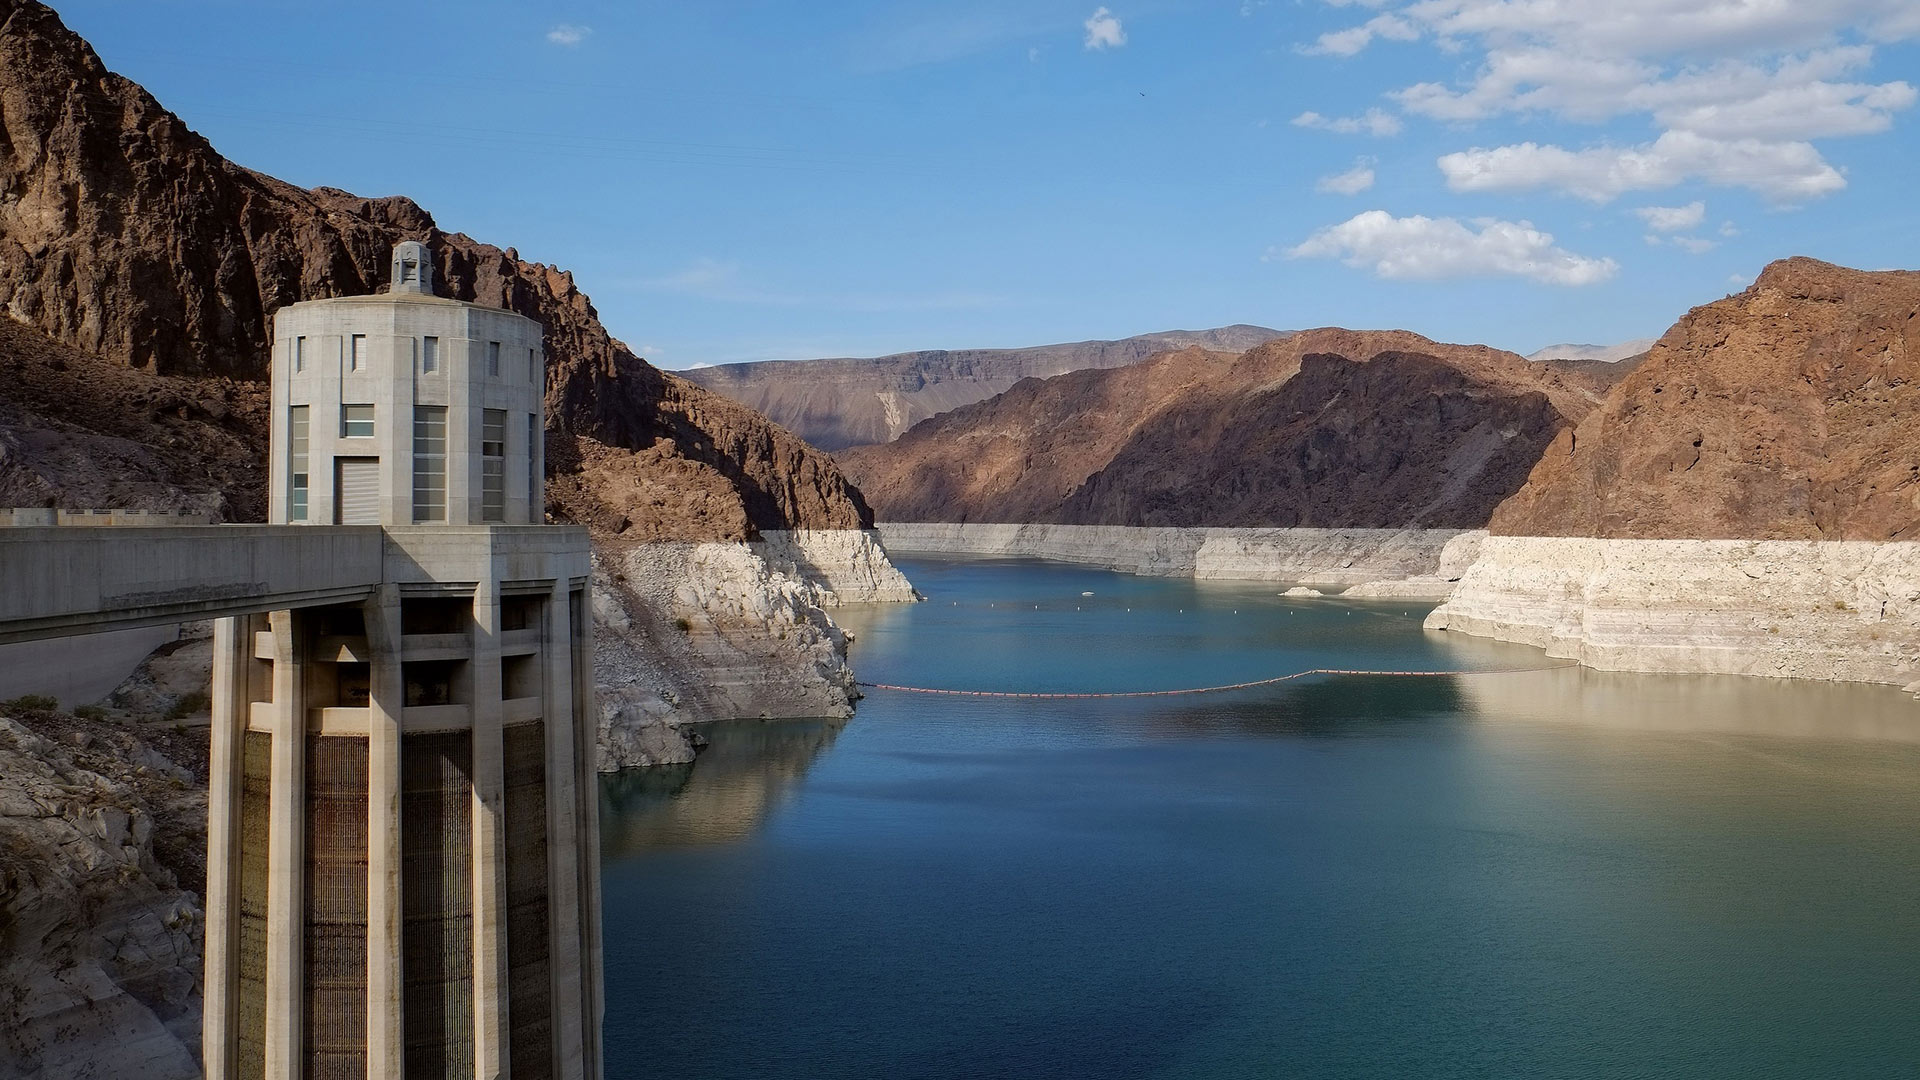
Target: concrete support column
point(286, 849)
point(490, 1022)
point(587, 763)
point(563, 834)
point(232, 650)
point(386, 1050)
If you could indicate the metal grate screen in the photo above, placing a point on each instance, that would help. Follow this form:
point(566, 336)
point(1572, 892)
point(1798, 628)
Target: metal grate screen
point(529, 981)
point(336, 908)
point(250, 960)
point(436, 889)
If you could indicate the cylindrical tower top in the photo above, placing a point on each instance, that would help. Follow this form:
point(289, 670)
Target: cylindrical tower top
point(406, 408)
point(412, 268)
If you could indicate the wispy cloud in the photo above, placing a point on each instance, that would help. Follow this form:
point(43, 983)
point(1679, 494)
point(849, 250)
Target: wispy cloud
point(1104, 30)
point(569, 34)
point(1376, 122)
point(1352, 182)
point(1436, 249)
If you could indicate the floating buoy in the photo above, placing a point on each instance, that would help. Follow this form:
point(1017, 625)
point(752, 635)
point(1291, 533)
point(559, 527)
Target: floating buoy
point(1086, 594)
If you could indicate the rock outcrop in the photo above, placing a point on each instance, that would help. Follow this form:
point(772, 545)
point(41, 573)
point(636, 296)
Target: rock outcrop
point(852, 402)
point(102, 859)
point(686, 633)
point(1324, 429)
point(1838, 610)
point(1785, 412)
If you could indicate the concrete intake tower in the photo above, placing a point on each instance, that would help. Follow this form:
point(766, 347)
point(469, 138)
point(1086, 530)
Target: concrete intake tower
point(402, 876)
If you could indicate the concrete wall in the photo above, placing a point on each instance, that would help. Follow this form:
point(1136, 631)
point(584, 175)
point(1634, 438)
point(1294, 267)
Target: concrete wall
point(36, 515)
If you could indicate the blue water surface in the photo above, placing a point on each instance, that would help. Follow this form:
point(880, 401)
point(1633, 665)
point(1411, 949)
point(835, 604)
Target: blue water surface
point(1543, 873)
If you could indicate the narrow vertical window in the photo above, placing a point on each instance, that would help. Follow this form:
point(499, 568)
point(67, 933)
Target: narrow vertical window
point(356, 421)
point(533, 367)
point(358, 358)
point(297, 462)
point(493, 359)
point(300, 354)
point(535, 511)
point(429, 462)
point(493, 465)
point(430, 354)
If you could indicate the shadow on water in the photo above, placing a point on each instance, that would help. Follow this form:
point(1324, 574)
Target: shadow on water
point(747, 769)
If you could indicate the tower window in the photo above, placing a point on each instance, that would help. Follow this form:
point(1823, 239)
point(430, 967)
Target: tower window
point(493, 359)
point(533, 367)
point(410, 270)
point(299, 354)
point(357, 359)
point(493, 465)
point(297, 463)
point(429, 463)
point(430, 354)
point(356, 421)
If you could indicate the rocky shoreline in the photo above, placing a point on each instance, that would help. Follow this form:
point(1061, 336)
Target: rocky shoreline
point(1397, 563)
point(1846, 611)
point(687, 633)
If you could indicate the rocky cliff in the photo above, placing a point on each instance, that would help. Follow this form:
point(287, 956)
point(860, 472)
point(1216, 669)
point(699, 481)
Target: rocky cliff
point(1327, 428)
point(845, 402)
point(124, 235)
point(1785, 412)
point(102, 859)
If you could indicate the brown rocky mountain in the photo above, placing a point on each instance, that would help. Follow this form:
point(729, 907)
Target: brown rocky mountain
point(80, 431)
point(123, 234)
point(841, 402)
point(1788, 411)
point(1327, 428)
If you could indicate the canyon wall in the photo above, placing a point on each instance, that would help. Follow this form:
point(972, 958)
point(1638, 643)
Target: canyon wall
point(1837, 610)
point(1369, 560)
point(102, 858)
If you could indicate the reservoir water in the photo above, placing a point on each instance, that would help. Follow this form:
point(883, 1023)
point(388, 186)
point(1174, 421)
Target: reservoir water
point(1555, 873)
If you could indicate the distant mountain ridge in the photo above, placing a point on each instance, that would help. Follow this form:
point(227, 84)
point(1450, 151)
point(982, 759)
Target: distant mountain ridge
point(1607, 354)
point(1326, 428)
point(839, 402)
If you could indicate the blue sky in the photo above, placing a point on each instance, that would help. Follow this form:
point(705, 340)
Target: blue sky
point(739, 180)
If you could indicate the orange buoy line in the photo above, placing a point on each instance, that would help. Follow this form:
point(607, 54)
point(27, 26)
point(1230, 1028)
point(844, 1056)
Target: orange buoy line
point(1025, 694)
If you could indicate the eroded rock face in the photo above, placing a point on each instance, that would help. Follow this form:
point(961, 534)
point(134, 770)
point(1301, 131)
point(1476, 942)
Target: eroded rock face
point(693, 632)
point(125, 235)
point(1788, 411)
point(1327, 428)
point(102, 858)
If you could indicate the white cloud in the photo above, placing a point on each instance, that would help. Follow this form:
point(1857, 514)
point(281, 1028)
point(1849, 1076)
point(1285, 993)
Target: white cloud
point(1352, 182)
point(1786, 173)
point(1696, 245)
point(1376, 122)
point(1673, 219)
point(569, 34)
point(1351, 41)
point(1431, 249)
point(1104, 30)
point(1753, 80)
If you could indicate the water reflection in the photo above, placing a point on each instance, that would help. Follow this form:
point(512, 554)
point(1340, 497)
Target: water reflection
point(1695, 704)
point(748, 768)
